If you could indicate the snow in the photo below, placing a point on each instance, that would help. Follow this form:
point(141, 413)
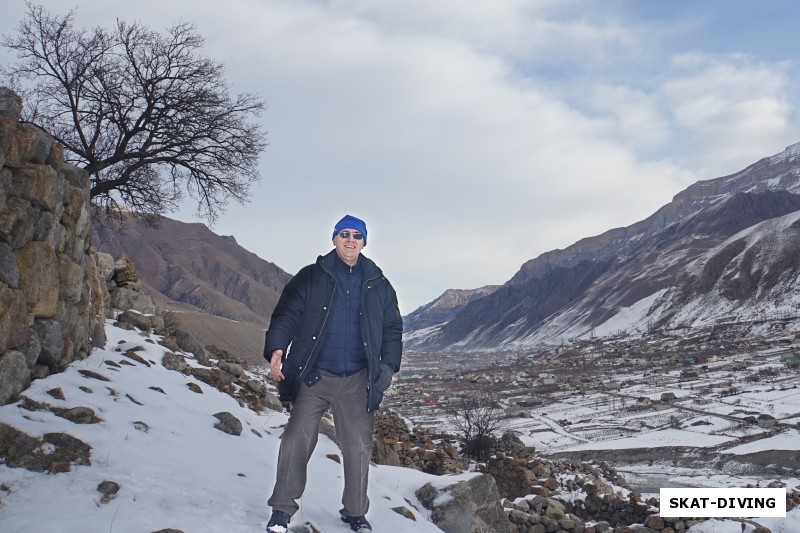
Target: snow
point(177, 471)
point(656, 439)
point(787, 440)
point(790, 152)
point(628, 316)
point(180, 472)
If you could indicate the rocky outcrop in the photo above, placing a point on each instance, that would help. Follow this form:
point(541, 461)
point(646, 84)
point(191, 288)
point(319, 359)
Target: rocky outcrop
point(542, 495)
point(470, 506)
point(53, 453)
point(50, 310)
point(395, 445)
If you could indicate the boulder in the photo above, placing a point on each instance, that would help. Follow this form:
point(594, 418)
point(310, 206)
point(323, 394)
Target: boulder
point(30, 144)
point(125, 299)
point(51, 342)
point(228, 423)
point(471, 506)
point(144, 322)
point(14, 376)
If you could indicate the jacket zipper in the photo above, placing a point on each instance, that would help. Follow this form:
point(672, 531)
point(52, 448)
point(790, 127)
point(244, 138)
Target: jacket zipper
point(369, 359)
point(347, 320)
point(319, 333)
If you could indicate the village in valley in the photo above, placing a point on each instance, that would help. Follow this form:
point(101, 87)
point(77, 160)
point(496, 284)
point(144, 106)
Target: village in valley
point(700, 405)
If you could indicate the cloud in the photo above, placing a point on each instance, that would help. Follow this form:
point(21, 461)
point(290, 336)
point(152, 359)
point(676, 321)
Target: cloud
point(473, 136)
point(730, 109)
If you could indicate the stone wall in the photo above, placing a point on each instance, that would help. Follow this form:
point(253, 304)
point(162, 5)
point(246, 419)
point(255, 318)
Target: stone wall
point(51, 299)
point(395, 445)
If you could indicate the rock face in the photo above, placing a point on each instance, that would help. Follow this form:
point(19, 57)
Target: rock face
point(51, 311)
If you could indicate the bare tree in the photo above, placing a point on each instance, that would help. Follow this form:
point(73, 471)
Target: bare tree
point(145, 113)
point(478, 419)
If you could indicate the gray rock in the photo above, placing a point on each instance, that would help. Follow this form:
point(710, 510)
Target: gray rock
point(16, 221)
point(385, 454)
point(93, 375)
point(31, 347)
point(472, 506)
point(14, 318)
point(138, 320)
point(555, 509)
point(105, 266)
point(14, 376)
point(75, 176)
point(173, 361)
point(39, 184)
point(70, 279)
point(79, 415)
point(47, 229)
point(51, 341)
point(9, 273)
point(39, 277)
point(57, 393)
point(228, 423)
point(10, 104)
point(10, 111)
point(109, 490)
point(97, 334)
point(188, 343)
point(124, 299)
point(30, 144)
point(271, 401)
point(231, 368)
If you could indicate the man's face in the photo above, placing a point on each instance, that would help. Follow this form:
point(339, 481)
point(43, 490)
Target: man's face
point(348, 248)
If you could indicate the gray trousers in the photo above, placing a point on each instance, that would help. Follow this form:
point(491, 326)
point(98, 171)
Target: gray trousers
point(347, 399)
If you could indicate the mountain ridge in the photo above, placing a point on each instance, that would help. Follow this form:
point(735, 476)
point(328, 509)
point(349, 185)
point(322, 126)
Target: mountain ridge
point(220, 292)
point(568, 293)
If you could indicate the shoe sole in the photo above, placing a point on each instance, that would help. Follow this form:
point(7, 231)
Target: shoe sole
point(360, 529)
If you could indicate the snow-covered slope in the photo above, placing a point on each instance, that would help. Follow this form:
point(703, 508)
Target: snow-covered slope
point(156, 439)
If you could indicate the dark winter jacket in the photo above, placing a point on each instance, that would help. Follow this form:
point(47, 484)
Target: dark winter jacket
point(342, 352)
point(301, 319)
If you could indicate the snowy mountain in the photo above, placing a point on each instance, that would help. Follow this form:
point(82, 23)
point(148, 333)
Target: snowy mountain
point(444, 308)
point(677, 268)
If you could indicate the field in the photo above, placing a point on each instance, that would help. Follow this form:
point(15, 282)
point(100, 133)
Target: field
point(661, 421)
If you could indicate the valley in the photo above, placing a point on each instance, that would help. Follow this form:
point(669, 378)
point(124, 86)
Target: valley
point(676, 409)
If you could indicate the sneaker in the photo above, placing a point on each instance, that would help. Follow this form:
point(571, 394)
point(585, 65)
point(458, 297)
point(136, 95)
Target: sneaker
point(279, 522)
point(358, 524)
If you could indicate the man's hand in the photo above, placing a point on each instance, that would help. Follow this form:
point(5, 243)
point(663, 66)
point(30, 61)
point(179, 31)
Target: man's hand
point(384, 379)
point(275, 366)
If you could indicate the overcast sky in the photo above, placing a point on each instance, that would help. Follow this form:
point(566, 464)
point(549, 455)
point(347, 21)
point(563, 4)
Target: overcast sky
point(475, 135)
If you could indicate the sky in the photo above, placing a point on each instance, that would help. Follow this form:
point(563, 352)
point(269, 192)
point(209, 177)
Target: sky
point(175, 470)
point(472, 136)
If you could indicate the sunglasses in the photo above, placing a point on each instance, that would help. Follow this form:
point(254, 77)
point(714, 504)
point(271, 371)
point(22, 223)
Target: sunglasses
point(348, 234)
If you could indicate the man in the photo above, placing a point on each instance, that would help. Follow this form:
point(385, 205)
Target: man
point(341, 318)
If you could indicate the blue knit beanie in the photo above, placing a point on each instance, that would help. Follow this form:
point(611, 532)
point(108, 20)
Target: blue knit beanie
point(349, 221)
